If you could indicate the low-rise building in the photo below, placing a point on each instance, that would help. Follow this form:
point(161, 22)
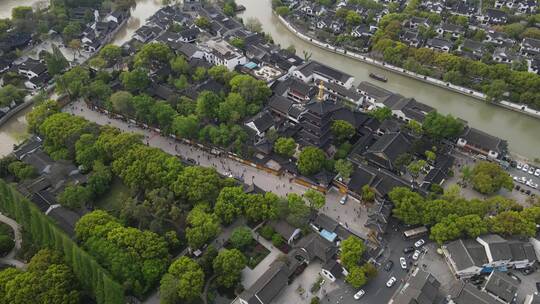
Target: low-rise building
point(502, 287)
point(219, 52)
point(313, 71)
point(421, 287)
point(476, 141)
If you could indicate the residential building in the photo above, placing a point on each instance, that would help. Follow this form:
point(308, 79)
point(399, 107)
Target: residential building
point(267, 286)
point(421, 287)
point(497, 250)
point(313, 71)
point(467, 293)
point(474, 140)
point(466, 258)
point(502, 287)
point(219, 52)
point(387, 149)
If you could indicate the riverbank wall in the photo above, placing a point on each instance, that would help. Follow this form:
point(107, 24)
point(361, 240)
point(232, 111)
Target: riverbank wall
point(433, 81)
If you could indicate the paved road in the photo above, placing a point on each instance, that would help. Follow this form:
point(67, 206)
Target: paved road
point(351, 214)
point(9, 259)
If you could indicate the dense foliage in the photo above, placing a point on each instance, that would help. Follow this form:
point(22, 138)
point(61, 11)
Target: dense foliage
point(136, 258)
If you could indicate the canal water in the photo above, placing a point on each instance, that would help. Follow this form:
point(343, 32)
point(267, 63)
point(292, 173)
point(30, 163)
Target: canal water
point(521, 131)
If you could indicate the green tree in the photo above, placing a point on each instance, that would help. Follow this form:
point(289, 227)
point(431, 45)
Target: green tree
point(74, 197)
point(311, 161)
point(111, 54)
point(344, 168)
point(228, 267)
point(352, 249)
point(439, 126)
point(203, 226)
point(185, 126)
point(56, 62)
point(179, 65)
point(495, 90)
point(512, 223)
point(241, 238)
point(39, 113)
point(381, 114)
point(356, 277)
point(189, 278)
point(285, 146)
point(202, 22)
point(488, 178)
point(122, 102)
point(229, 203)
point(255, 92)
point(10, 94)
point(315, 199)
point(153, 55)
point(198, 184)
point(98, 90)
point(298, 212)
point(258, 207)
point(100, 179)
point(407, 205)
point(73, 81)
point(61, 131)
point(21, 170)
point(232, 109)
point(368, 193)
point(136, 80)
point(71, 31)
point(342, 130)
point(238, 43)
point(207, 105)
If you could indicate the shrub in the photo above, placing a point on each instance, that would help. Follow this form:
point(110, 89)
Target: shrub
point(6, 244)
point(266, 232)
point(277, 240)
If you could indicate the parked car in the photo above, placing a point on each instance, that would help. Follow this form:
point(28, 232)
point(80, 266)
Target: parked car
point(477, 281)
point(392, 281)
point(537, 172)
point(419, 243)
point(513, 163)
point(403, 262)
point(388, 265)
point(525, 168)
point(416, 255)
point(531, 170)
point(359, 294)
point(343, 200)
point(408, 249)
point(513, 276)
point(538, 286)
point(527, 270)
point(519, 166)
point(516, 178)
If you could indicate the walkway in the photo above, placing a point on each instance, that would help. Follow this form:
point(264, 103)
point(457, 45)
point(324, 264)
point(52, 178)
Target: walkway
point(249, 276)
point(279, 185)
point(9, 259)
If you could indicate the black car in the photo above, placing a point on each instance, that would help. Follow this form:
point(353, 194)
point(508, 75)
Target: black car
point(538, 286)
point(408, 249)
point(527, 270)
point(388, 265)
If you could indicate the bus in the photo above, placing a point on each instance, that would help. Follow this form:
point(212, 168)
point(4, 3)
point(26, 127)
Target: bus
point(415, 232)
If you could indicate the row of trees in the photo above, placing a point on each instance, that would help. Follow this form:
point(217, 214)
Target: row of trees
point(451, 216)
point(44, 233)
point(352, 250)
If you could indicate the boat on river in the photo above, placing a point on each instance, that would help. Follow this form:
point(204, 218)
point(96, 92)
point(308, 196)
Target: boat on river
point(378, 77)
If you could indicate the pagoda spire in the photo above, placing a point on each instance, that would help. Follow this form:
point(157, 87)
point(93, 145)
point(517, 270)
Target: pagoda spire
point(320, 95)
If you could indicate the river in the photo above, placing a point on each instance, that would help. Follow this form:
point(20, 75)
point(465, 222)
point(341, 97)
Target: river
point(521, 131)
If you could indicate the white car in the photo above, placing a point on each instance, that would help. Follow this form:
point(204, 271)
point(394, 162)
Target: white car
point(519, 166)
point(403, 262)
point(537, 172)
point(525, 168)
point(343, 200)
point(359, 294)
point(516, 178)
point(531, 170)
point(419, 243)
point(391, 282)
point(522, 180)
point(416, 255)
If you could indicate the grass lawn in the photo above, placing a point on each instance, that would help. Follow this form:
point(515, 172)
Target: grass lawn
point(112, 200)
point(255, 254)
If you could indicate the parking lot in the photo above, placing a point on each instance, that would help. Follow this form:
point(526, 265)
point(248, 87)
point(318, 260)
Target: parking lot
point(525, 179)
point(376, 290)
